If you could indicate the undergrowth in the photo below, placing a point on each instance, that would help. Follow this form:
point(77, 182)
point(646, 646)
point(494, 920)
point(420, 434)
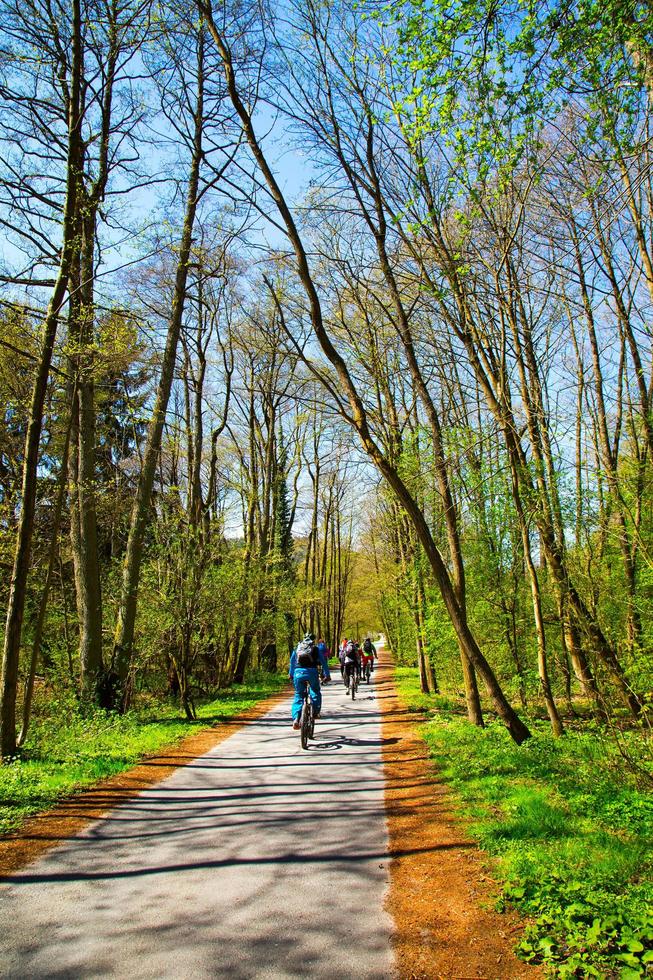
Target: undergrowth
point(570, 830)
point(67, 750)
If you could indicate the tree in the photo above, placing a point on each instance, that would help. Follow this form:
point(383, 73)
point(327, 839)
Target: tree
point(192, 123)
point(16, 604)
point(357, 413)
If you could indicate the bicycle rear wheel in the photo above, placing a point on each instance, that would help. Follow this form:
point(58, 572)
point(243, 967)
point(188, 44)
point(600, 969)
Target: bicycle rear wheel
point(311, 711)
point(305, 725)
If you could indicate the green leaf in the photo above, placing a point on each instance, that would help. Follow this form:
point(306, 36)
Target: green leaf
point(628, 958)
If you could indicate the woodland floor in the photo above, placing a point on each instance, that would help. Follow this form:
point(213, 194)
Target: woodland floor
point(440, 893)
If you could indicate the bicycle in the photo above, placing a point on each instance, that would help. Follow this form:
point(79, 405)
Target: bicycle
point(367, 670)
point(307, 718)
point(352, 680)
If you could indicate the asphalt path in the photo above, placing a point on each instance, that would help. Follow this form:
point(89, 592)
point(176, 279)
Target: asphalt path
point(256, 860)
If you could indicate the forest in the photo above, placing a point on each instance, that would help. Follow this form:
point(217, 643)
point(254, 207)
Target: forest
point(328, 316)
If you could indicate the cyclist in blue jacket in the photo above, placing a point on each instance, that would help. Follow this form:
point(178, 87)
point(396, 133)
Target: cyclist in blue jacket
point(303, 671)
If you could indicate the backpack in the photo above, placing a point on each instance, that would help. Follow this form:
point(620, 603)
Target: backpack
point(305, 654)
point(350, 651)
point(322, 647)
point(367, 646)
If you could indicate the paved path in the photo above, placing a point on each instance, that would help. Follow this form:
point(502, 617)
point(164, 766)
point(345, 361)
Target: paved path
point(256, 860)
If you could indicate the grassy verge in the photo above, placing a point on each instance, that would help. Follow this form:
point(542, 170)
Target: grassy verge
point(570, 832)
point(66, 751)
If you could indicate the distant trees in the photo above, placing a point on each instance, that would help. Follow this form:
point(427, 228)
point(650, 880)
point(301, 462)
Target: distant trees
point(62, 82)
point(453, 258)
point(479, 246)
point(356, 409)
point(187, 347)
point(184, 65)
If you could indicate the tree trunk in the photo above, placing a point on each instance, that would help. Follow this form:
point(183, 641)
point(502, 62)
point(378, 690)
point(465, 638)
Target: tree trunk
point(18, 584)
point(243, 659)
point(126, 619)
point(542, 665)
point(45, 594)
point(421, 663)
point(90, 598)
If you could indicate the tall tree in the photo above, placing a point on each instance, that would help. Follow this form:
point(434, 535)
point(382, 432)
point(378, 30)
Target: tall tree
point(16, 604)
point(356, 410)
point(200, 113)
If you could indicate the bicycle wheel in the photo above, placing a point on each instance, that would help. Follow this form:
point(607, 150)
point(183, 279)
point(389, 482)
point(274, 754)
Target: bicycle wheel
point(305, 725)
point(311, 713)
point(353, 685)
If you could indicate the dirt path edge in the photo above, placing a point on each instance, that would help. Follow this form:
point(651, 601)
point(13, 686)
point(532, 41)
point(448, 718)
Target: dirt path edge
point(45, 830)
point(440, 895)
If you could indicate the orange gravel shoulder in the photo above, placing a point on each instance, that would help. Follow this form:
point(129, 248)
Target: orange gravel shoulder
point(440, 894)
point(72, 815)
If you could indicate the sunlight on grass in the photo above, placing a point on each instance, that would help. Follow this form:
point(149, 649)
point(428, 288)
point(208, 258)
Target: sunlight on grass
point(67, 751)
point(570, 832)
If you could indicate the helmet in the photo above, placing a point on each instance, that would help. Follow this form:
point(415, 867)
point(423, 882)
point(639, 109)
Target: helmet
point(309, 637)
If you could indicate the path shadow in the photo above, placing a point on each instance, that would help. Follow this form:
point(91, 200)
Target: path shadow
point(340, 857)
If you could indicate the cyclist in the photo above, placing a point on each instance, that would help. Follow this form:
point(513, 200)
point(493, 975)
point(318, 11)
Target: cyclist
point(359, 661)
point(350, 661)
point(341, 655)
point(367, 656)
point(369, 652)
point(302, 672)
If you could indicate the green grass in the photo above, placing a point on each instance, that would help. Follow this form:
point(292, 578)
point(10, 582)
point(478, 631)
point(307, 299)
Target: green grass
point(66, 751)
point(407, 679)
point(570, 832)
